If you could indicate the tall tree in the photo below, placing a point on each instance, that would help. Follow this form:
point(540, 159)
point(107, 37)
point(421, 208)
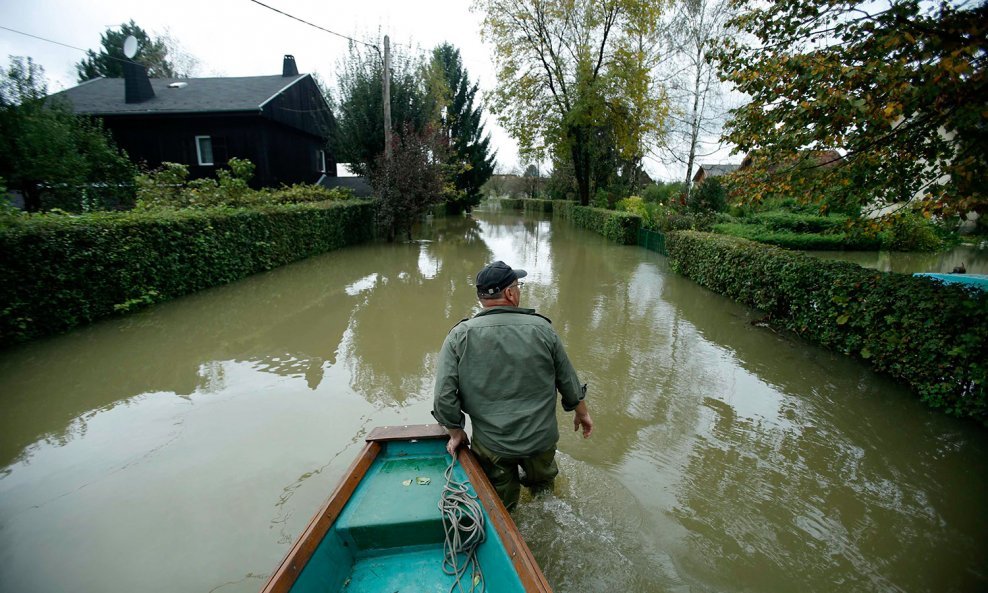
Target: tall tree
point(151, 53)
point(696, 113)
point(52, 156)
point(897, 88)
point(360, 104)
point(574, 77)
point(463, 128)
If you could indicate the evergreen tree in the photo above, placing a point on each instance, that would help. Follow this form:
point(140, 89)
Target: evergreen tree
point(360, 104)
point(151, 53)
point(470, 155)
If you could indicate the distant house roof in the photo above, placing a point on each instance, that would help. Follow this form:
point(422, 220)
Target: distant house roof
point(712, 170)
point(105, 96)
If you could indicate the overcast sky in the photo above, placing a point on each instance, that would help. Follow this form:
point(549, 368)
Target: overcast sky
point(241, 38)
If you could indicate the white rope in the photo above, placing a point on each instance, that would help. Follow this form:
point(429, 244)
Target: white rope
point(463, 522)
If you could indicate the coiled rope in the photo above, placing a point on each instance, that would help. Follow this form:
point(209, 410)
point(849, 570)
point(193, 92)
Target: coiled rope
point(463, 522)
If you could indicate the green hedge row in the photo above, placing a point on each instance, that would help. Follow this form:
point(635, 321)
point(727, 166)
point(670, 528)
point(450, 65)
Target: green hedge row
point(931, 335)
point(621, 227)
point(798, 240)
point(58, 272)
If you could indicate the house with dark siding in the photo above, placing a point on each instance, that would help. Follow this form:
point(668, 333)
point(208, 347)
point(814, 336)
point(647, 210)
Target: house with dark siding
point(281, 123)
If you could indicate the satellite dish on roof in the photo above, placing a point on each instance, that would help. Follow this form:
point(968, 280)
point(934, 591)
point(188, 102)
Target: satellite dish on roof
point(130, 46)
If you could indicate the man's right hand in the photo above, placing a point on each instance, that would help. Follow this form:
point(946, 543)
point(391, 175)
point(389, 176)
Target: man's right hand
point(457, 437)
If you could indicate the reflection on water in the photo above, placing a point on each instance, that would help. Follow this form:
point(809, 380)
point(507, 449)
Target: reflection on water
point(974, 259)
point(726, 457)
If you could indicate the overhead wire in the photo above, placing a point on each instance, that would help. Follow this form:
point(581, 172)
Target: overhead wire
point(291, 16)
point(56, 42)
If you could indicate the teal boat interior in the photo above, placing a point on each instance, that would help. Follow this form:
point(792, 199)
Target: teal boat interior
point(389, 535)
point(972, 280)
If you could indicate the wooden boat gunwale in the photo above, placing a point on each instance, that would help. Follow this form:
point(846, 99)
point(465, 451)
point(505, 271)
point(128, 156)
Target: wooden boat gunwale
point(298, 556)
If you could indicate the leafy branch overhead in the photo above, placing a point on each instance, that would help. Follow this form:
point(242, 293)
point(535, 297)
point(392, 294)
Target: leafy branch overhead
point(897, 89)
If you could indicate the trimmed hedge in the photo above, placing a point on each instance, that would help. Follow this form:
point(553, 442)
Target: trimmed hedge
point(621, 227)
point(931, 335)
point(60, 272)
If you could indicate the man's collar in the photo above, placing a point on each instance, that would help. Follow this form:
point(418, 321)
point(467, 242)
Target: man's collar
point(504, 309)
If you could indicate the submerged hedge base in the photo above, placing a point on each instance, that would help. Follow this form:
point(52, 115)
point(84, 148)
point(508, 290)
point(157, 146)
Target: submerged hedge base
point(527, 204)
point(60, 272)
point(621, 227)
point(931, 335)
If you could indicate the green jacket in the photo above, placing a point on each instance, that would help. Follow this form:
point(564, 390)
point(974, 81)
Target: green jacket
point(503, 367)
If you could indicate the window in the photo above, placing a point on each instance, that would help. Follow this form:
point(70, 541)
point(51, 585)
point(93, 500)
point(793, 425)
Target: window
point(321, 161)
point(204, 150)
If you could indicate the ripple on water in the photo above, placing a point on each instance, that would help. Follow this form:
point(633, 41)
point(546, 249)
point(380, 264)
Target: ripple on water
point(589, 534)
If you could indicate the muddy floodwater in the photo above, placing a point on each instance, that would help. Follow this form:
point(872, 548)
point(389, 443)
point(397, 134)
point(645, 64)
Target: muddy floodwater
point(184, 447)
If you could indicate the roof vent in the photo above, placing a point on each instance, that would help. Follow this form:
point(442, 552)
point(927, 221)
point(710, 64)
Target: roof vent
point(288, 67)
point(178, 85)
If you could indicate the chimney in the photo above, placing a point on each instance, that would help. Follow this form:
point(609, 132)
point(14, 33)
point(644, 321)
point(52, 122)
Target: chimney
point(137, 86)
point(288, 67)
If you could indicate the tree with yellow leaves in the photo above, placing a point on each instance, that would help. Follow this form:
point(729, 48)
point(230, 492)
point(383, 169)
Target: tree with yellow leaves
point(574, 78)
point(898, 89)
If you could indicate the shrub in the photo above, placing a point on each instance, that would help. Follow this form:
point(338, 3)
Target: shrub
point(683, 220)
point(928, 334)
point(169, 188)
point(797, 241)
point(909, 231)
point(709, 196)
point(779, 220)
point(663, 192)
point(305, 194)
point(58, 272)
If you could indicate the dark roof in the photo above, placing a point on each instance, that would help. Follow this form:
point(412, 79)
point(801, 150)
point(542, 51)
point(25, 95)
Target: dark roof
point(717, 170)
point(358, 185)
point(105, 96)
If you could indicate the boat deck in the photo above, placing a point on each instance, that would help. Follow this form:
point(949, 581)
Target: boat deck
point(399, 505)
point(412, 571)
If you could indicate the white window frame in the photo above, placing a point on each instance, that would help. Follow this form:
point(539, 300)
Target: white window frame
point(321, 160)
point(199, 158)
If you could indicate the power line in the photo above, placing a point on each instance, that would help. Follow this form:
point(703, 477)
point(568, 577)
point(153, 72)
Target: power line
point(41, 38)
point(57, 42)
point(316, 26)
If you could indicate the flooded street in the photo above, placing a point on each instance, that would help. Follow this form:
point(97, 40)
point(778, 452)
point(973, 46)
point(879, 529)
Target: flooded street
point(183, 448)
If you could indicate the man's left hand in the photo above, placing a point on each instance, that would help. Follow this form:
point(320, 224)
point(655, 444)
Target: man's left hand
point(582, 420)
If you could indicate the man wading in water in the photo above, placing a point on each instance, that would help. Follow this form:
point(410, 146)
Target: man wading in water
point(503, 367)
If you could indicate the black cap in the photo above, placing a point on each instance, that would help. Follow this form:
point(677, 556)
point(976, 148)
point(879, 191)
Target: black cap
point(496, 277)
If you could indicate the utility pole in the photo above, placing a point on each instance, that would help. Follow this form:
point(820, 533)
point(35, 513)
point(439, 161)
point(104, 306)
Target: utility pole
point(387, 98)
